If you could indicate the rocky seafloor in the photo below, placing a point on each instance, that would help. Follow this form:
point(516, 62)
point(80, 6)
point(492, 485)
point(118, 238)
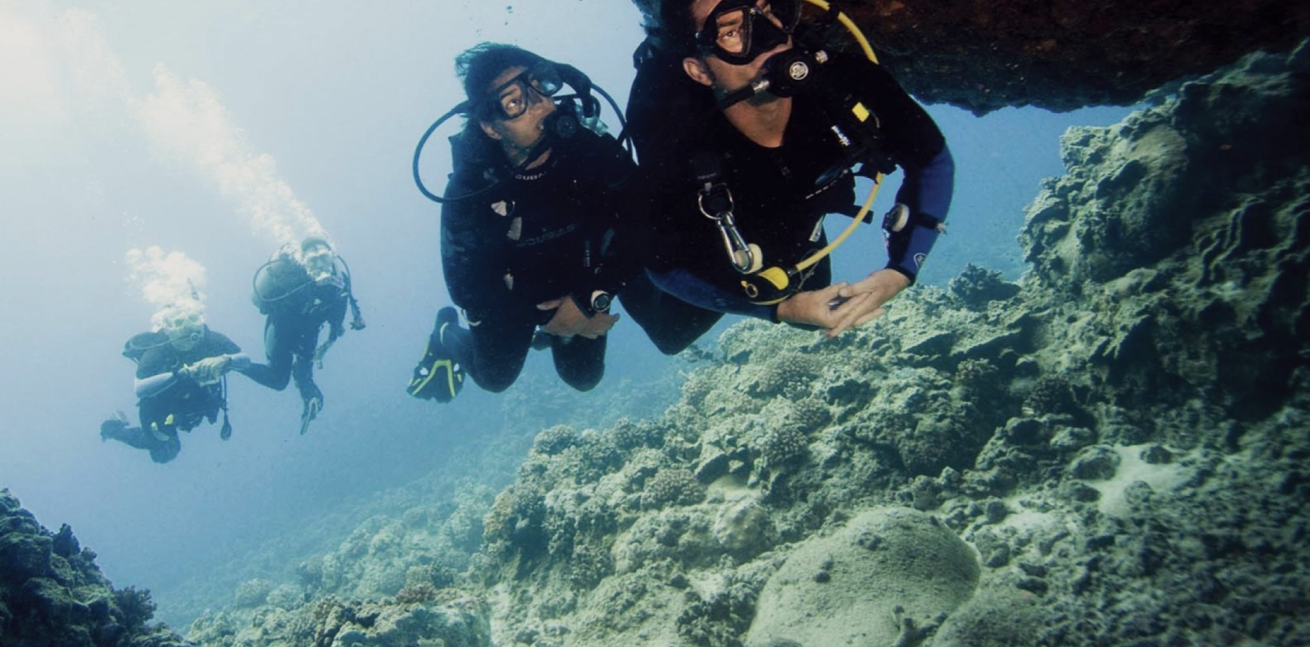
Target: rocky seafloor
point(1112, 451)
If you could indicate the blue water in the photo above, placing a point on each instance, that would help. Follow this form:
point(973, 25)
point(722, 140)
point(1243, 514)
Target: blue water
point(336, 93)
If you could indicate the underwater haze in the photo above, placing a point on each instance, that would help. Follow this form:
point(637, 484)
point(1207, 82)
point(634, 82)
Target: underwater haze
point(216, 131)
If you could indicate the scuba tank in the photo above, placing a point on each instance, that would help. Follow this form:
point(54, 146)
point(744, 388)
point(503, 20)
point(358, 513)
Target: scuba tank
point(277, 281)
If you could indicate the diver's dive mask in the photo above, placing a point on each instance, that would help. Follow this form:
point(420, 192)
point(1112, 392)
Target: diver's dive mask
point(320, 263)
point(738, 31)
point(512, 98)
point(185, 330)
point(543, 81)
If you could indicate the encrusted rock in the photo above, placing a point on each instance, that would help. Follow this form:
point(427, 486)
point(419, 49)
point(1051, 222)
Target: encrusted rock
point(1095, 463)
point(744, 528)
point(933, 570)
point(975, 287)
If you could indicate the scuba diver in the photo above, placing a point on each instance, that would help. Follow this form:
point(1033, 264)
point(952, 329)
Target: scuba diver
point(180, 382)
point(751, 131)
point(528, 226)
point(301, 288)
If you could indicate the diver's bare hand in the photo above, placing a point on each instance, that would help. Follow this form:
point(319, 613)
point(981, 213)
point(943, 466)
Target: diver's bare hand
point(821, 308)
point(873, 291)
point(570, 320)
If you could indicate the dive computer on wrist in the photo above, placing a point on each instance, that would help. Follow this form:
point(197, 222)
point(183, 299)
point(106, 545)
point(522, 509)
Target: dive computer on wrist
point(600, 301)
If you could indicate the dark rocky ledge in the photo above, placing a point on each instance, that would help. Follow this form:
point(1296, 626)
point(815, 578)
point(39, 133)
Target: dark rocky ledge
point(1064, 54)
point(52, 592)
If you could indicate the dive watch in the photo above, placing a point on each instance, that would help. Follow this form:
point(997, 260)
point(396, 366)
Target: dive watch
point(600, 302)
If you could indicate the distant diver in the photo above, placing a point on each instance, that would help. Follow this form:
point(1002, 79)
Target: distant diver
point(751, 130)
point(528, 226)
point(180, 382)
point(301, 288)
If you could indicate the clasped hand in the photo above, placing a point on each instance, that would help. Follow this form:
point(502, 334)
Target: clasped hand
point(570, 320)
point(208, 370)
point(842, 306)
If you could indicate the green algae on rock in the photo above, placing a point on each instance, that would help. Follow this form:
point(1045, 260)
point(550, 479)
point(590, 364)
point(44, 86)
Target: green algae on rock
point(52, 592)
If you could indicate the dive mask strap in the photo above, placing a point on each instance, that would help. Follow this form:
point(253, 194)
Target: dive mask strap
point(582, 87)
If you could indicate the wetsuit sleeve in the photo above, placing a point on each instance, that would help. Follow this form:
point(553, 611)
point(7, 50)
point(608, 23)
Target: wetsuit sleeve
point(471, 259)
point(699, 292)
point(927, 192)
point(916, 144)
point(149, 387)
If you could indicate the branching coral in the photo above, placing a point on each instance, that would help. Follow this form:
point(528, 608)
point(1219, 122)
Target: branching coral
point(783, 447)
point(554, 440)
point(135, 606)
point(671, 487)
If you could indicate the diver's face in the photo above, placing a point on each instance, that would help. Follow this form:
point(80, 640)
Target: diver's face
point(319, 263)
point(185, 331)
point(517, 135)
point(722, 76)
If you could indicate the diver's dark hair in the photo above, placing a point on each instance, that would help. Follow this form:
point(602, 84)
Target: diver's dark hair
point(479, 65)
point(673, 29)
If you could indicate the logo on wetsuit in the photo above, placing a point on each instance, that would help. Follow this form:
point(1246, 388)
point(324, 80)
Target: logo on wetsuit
point(549, 236)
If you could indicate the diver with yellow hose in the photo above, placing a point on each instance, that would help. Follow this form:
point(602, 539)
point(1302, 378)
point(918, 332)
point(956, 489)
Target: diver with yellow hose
point(751, 131)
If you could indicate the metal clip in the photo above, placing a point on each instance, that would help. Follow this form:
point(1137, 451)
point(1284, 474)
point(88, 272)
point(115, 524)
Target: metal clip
point(740, 253)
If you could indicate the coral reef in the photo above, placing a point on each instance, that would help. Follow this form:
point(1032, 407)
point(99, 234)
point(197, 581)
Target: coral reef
point(1110, 452)
point(388, 583)
point(390, 578)
point(1056, 435)
point(52, 592)
point(430, 618)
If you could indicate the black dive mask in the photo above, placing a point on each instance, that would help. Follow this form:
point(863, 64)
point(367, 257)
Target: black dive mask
point(738, 31)
point(511, 99)
point(571, 110)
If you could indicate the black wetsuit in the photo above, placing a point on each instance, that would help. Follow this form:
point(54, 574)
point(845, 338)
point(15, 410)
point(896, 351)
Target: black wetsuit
point(533, 236)
point(782, 194)
point(180, 406)
point(292, 329)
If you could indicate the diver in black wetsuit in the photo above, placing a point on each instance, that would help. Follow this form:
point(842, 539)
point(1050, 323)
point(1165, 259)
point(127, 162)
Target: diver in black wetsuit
point(179, 383)
point(774, 126)
point(528, 227)
point(301, 289)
